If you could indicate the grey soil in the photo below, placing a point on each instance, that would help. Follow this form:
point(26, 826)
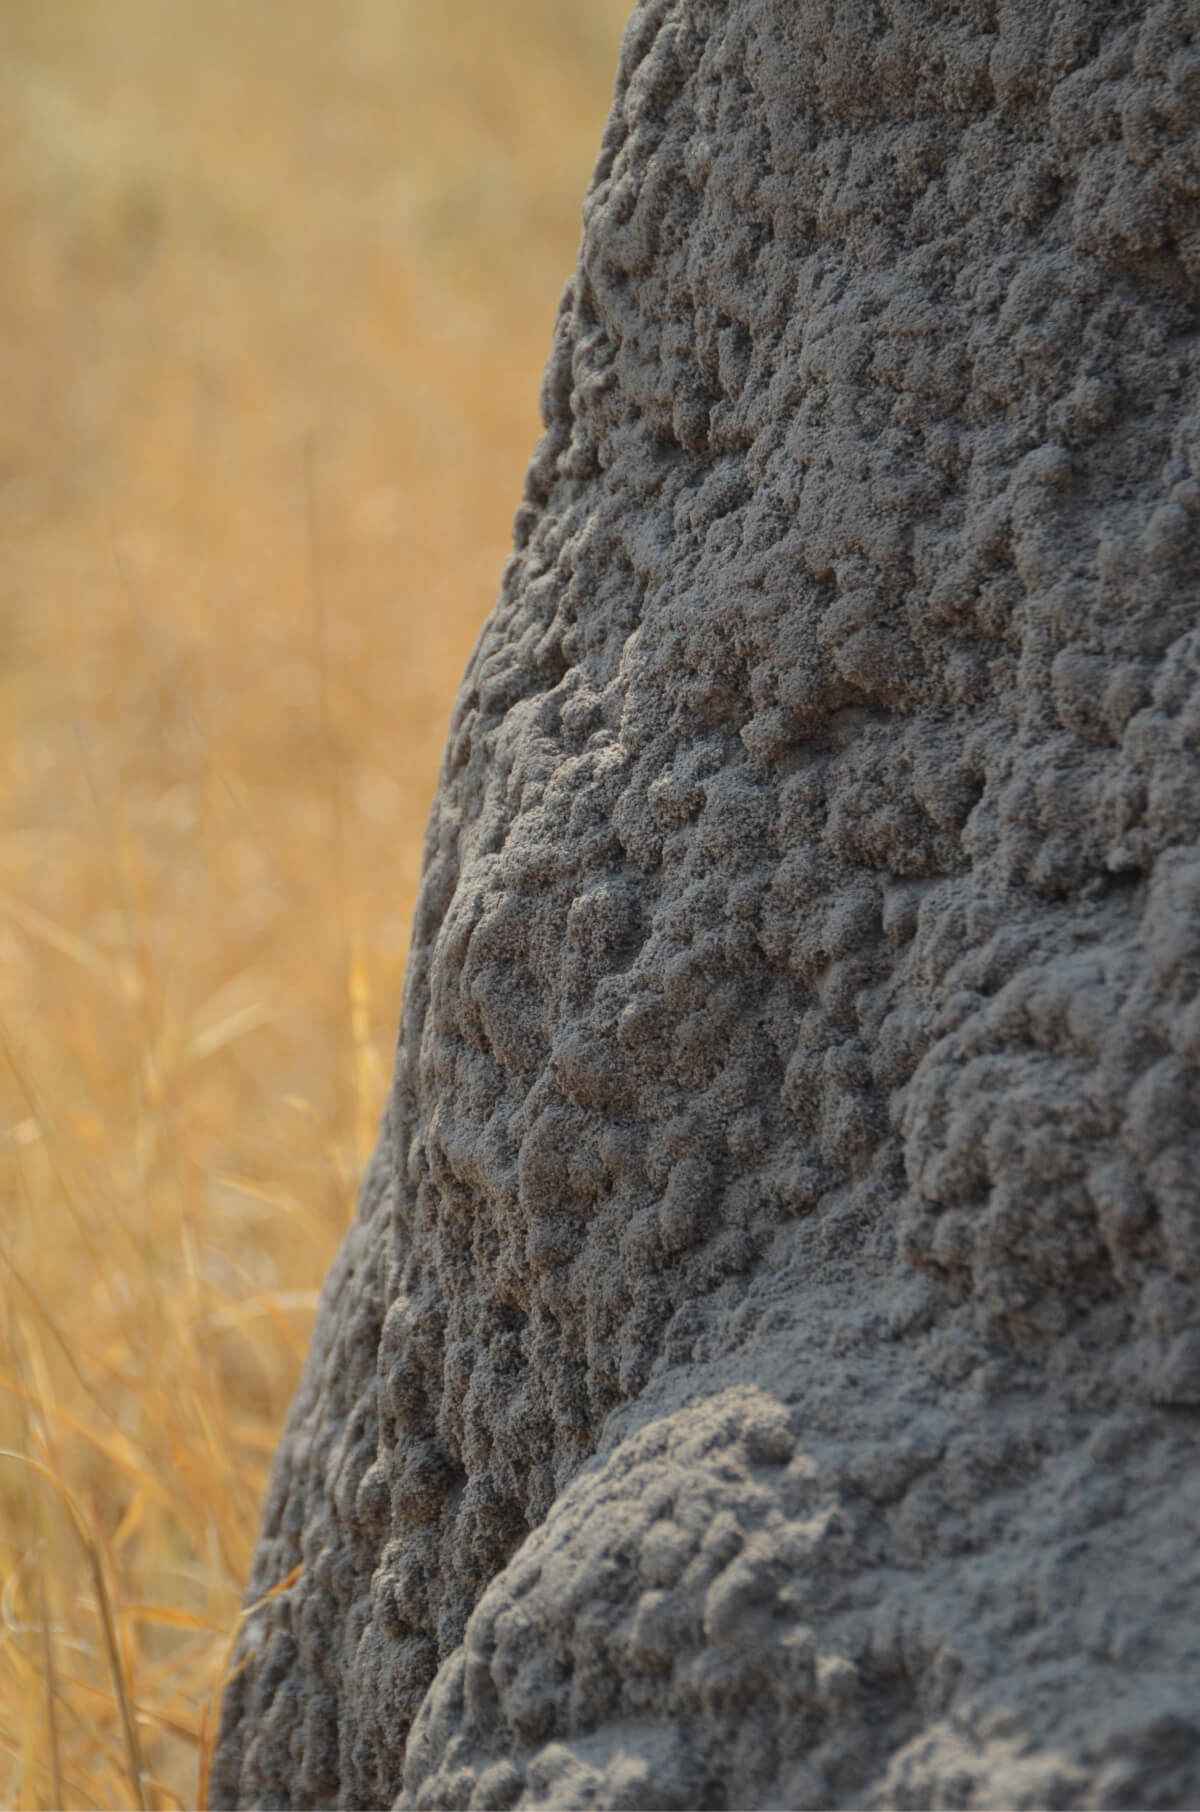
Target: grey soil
point(765, 1370)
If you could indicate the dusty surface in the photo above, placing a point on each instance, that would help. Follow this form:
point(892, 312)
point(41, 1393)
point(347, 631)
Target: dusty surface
point(766, 1367)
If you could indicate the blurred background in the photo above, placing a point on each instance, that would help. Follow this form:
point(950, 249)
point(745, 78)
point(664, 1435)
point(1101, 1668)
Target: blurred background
point(276, 287)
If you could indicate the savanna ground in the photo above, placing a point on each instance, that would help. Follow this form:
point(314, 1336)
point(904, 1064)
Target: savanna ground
point(277, 286)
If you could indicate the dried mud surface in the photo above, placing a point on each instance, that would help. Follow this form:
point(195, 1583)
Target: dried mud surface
point(766, 1367)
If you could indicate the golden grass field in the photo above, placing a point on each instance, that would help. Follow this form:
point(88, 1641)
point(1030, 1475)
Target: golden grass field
point(277, 286)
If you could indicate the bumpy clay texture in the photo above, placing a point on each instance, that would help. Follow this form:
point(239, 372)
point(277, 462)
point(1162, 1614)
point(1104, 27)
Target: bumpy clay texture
point(765, 1370)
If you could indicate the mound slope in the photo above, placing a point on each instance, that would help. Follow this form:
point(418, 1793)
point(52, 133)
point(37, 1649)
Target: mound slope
point(765, 1369)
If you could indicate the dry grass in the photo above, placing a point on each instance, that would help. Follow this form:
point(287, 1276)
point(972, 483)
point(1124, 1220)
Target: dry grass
point(278, 285)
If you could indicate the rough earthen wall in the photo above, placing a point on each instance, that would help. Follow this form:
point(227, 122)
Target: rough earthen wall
point(766, 1367)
